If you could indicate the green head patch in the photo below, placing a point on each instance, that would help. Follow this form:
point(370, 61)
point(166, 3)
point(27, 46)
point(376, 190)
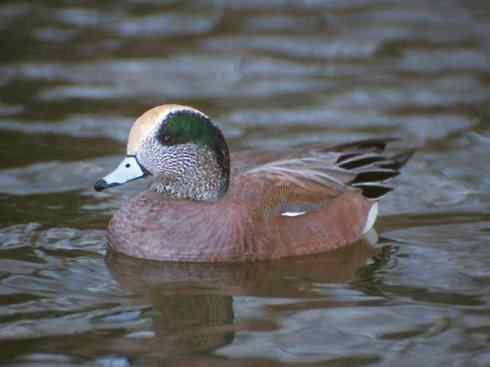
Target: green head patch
point(189, 127)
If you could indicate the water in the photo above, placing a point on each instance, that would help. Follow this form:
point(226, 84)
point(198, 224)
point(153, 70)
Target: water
point(272, 74)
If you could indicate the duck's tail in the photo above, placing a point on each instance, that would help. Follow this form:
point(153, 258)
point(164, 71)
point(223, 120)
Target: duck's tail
point(371, 167)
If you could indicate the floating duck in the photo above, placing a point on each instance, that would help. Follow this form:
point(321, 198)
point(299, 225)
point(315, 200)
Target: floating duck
point(204, 206)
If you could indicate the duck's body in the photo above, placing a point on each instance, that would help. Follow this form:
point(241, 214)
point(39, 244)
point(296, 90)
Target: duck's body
point(264, 207)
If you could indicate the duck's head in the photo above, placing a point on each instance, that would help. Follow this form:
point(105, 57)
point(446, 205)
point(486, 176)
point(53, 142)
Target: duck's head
point(182, 148)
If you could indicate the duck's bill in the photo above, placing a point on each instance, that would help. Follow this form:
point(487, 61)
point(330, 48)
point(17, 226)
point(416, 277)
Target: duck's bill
point(128, 170)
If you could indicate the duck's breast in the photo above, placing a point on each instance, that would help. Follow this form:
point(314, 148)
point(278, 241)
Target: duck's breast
point(150, 227)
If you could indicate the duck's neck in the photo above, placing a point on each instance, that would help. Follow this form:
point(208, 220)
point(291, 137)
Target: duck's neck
point(200, 179)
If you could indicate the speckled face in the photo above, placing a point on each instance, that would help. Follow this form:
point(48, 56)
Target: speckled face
point(183, 149)
point(169, 141)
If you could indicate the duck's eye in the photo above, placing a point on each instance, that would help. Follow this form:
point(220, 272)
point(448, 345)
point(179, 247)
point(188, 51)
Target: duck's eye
point(127, 165)
point(165, 138)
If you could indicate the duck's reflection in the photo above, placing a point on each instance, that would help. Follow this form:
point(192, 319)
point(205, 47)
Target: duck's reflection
point(192, 303)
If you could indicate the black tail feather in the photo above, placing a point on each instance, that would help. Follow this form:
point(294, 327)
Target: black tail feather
point(374, 176)
point(373, 191)
point(357, 160)
point(371, 168)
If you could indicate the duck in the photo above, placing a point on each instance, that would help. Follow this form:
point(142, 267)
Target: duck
point(205, 204)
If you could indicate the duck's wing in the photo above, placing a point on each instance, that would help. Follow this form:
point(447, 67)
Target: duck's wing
point(357, 156)
point(333, 172)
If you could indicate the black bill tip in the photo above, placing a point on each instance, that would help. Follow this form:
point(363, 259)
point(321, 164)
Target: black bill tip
point(101, 185)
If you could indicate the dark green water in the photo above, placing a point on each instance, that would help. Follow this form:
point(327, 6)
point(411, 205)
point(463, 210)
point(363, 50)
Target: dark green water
point(272, 74)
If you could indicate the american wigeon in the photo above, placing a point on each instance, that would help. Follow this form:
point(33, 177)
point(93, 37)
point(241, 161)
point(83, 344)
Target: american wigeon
point(263, 206)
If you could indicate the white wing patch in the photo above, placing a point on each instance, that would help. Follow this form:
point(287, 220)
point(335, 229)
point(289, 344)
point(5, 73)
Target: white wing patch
point(293, 214)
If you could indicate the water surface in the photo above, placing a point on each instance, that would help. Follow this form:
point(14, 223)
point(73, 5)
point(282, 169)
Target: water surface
point(274, 75)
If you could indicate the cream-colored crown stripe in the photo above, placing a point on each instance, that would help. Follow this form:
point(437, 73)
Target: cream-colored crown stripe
point(148, 122)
